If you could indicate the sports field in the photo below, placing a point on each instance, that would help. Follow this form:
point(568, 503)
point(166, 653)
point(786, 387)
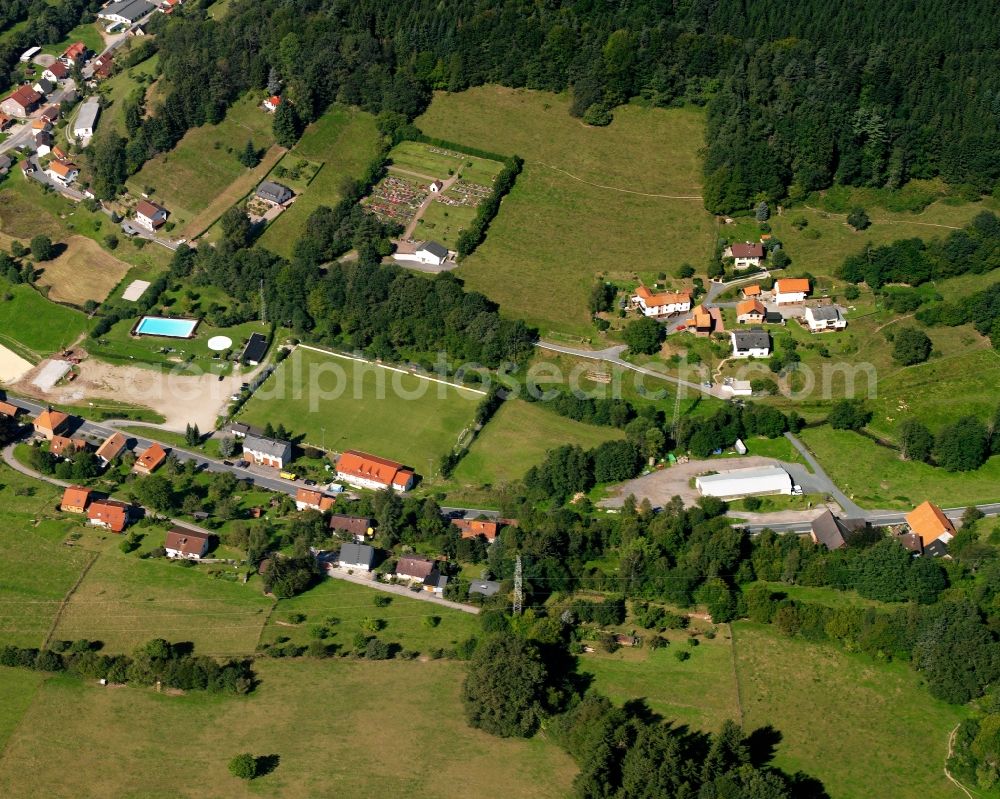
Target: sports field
point(344, 141)
point(341, 404)
point(201, 167)
point(589, 200)
point(518, 437)
point(357, 729)
point(83, 271)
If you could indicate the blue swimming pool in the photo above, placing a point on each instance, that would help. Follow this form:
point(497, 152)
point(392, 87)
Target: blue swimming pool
point(161, 326)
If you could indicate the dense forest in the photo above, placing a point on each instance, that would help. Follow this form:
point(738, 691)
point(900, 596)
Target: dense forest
point(798, 96)
point(42, 22)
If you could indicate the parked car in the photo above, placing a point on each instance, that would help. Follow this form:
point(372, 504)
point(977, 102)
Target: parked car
point(243, 464)
point(227, 463)
point(309, 482)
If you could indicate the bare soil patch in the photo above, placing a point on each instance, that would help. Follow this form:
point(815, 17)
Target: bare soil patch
point(83, 271)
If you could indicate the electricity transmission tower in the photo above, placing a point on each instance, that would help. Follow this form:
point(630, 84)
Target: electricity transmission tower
point(263, 304)
point(518, 588)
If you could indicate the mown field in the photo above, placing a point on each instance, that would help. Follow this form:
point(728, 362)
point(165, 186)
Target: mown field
point(360, 729)
point(363, 406)
point(34, 327)
point(83, 271)
point(556, 231)
point(441, 163)
point(118, 87)
point(204, 163)
point(344, 141)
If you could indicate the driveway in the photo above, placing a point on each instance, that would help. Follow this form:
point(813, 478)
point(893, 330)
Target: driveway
point(369, 581)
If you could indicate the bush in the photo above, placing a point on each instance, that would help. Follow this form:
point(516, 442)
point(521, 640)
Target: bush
point(858, 219)
point(644, 336)
point(911, 346)
point(243, 766)
point(682, 655)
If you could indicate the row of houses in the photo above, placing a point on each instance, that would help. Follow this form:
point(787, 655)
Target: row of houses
point(926, 531)
point(55, 426)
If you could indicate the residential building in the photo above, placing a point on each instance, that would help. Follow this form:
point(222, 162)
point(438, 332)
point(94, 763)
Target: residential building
point(361, 527)
point(745, 255)
point(484, 588)
point(41, 124)
point(255, 350)
point(63, 172)
point(435, 582)
point(912, 542)
point(184, 543)
point(271, 103)
point(56, 71)
point(701, 322)
point(415, 568)
point(51, 114)
point(126, 12)
point(75, 499)
point(745, 482)
point(5, 164)
point(663, 303)
point(9, 409)
point(824, 317)
point(44, 87)
point(86, 120)
point(102, 66)
point(790, 289)
point(150, 215)
point(240, 430)
point(473, 528)
point(751, 343)
point(750, 312)
point(750, 292)
point(928, 521)
point(23, 101)
point(109, 514)
point(150, 460)
point(359, 557)
point(274, 193)
point(362, 470)
point(426, 252)
point(738, 388)
point(833, 532)
point(265, 451)
point(50, 423)
point(63, 447)
point(112, 447)
point(306, 499)
point(74, 54)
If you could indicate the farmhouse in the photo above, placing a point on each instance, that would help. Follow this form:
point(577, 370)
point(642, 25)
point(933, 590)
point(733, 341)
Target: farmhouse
point(56, 72)
point(64, 172)
point(50, 423)
point(824, 317)
point(427, 252)
point(22, 102)
point(790, 289)
point(472, 528)
point(111, 448)
point(751, 343)
point(274, 193)
point(934, 528)
point(745, 255)
point(109, 514)
point(305, 499)
point(86, 120)
point(150, 215)
point(369, 471)
point(271, 103)
point(150, 460)
point(126, 11)
point(184, 543)
point(745, 482)
point(833, 532)
point(356, 556)
point(661, 303)
point(255, 350)
point(750, 312)
point(75, 499)
point(361, 527)
point(484, 587)
point(264, 451)
point(62, 447)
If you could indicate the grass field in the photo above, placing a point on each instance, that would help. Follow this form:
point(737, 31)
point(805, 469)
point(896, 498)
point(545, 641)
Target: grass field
point(845, 719)
point(518, 437)
point(443, 223)
point(348, 604)
point(88, 33)
point(83, 271)
point(34, 327)
point(875, 477)
point(18, 688)
point(556, 231)
point(344, 140)
point(438, 162)
point(368, 728)
point(118, 87)
point(192, 175)
point(363, 406)
point(125, 601)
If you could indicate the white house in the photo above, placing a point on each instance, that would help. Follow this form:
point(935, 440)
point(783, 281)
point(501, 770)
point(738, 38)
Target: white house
point(745, 482)
point(751, 343)
point(267, 451)
point(359, 557)
point(362, 470)
point(790, 289)
point(745, 255)
point(150, 215)
point(86, 120)
point(739, 388)
point(62, 172)
point(56, 71)
point(661, 303)
point(184, 543)
point(272, 103)
point(825, 317)
point(427, 252)
point(750, 311)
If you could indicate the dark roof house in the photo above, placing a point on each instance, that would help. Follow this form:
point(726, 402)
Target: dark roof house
point(833, 532)
point(415, 567)
point(255, 349)
point(274, 192)
point(356, 556)
point(355, 525)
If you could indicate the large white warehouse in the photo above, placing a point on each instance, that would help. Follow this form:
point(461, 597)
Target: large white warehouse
point(745, 482)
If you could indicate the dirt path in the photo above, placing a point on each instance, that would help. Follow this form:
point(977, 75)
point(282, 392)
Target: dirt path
point(623, 191)
point(893, 321)
point(951, 748)
point(408, 233)
point(233, 193)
